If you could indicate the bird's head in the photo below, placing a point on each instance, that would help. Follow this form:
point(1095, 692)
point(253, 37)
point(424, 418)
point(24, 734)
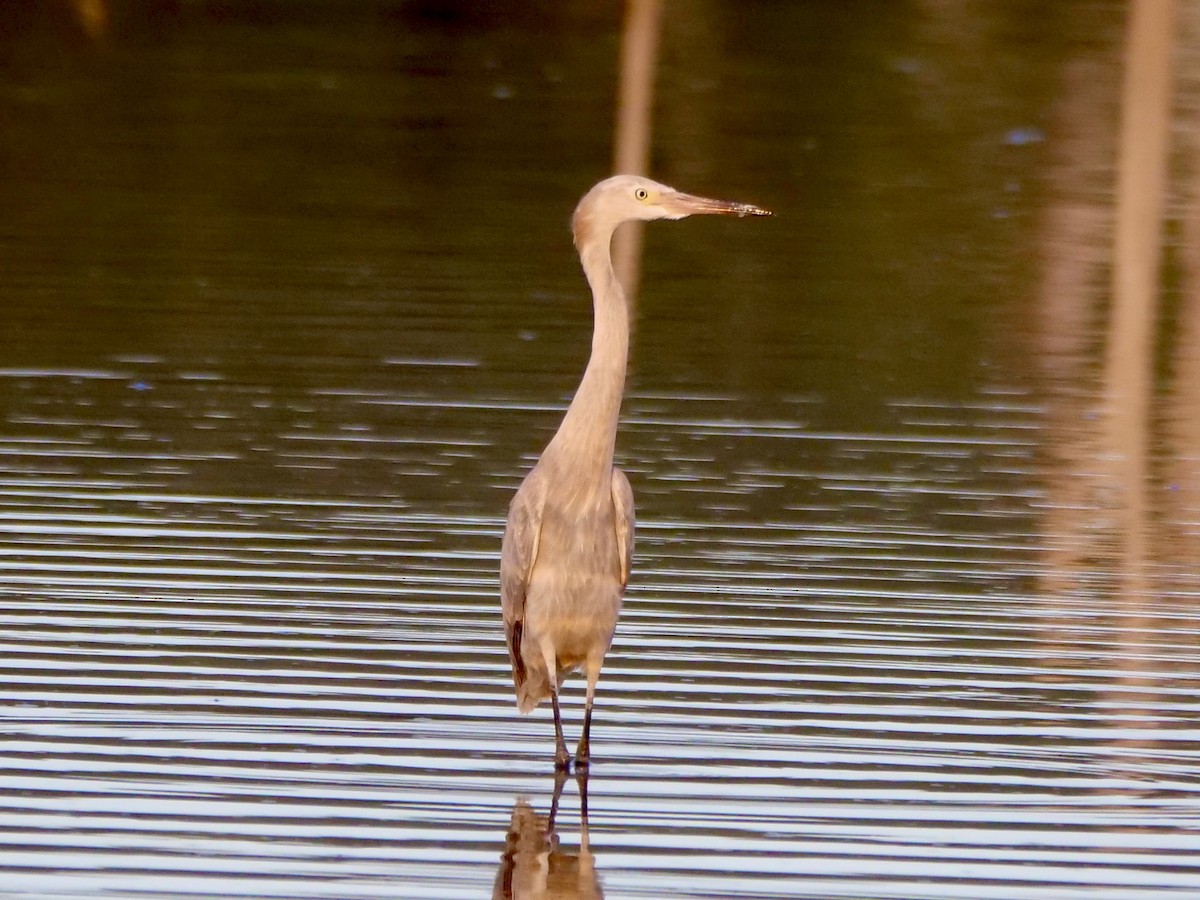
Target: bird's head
point(623, 198)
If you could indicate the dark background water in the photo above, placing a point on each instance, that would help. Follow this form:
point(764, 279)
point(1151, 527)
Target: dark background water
point(289, 305)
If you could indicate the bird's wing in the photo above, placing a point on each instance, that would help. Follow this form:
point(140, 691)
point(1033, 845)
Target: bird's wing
point(622, 495)
point(518, 553)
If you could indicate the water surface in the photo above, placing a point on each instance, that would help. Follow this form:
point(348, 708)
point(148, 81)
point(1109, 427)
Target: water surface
point(290, 307)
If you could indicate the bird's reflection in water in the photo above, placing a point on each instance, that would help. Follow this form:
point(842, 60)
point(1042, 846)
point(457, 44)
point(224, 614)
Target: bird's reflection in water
point(533, 864)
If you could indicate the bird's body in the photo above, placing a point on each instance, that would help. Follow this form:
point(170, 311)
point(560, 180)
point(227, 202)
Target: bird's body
point(568, 542)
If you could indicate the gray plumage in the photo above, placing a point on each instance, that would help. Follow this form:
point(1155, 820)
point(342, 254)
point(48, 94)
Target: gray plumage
point(568, 542)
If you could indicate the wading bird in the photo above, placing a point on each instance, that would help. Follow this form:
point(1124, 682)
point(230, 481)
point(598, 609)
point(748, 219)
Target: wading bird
point(568, 542)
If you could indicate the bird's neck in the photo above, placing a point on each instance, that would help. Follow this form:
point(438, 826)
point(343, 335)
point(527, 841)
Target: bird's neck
point(587, 436)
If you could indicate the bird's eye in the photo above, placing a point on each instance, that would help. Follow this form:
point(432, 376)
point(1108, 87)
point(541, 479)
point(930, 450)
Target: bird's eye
point(641, 194)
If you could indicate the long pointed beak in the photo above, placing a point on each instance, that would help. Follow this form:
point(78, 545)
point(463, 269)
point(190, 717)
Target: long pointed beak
point(691, 205)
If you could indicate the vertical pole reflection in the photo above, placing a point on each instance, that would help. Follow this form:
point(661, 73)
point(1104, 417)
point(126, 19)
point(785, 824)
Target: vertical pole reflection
point(1129, 352)
point(1141, 188)
point(1075, 241)
point(635, 102)
point(1099, 481)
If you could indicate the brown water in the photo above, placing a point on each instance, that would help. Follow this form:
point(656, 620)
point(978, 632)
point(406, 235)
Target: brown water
point(289, 307)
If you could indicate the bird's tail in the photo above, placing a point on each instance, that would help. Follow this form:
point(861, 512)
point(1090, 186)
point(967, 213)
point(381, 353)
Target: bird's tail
point(530, 686)
point(532, 690)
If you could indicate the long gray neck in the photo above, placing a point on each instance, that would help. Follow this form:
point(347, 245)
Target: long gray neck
point(586, 438)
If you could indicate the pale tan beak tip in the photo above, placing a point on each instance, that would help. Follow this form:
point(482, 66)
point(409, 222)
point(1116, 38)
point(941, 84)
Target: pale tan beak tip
point(736, 209)
point(691, 205)
point(745, 209)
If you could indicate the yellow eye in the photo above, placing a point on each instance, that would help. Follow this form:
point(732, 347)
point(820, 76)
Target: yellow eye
point(641, 194)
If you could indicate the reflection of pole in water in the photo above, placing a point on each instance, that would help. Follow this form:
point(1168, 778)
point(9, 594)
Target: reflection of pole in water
point(635, 103)
point(1141, 189)
point(1129, 359)
point(533, 864)
point(1074, 242)
point(1118, 442)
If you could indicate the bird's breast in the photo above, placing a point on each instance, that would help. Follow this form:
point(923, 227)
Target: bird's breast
point(575, 611)
point(575, 587)
point(580, 537)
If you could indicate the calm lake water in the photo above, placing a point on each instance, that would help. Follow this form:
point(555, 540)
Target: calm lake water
point(290, 306)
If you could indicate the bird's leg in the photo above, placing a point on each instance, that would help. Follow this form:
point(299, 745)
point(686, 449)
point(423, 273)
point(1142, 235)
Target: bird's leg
point(562, 759)
point(583, 752)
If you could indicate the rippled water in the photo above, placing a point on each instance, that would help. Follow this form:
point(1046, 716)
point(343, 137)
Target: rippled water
point(903, 623)
point(307, 696)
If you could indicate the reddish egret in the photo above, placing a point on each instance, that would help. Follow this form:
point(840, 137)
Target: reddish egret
point(568, 543)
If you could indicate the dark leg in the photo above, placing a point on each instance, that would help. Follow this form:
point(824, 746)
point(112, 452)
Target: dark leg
point(583, 754)
point(562, 759)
